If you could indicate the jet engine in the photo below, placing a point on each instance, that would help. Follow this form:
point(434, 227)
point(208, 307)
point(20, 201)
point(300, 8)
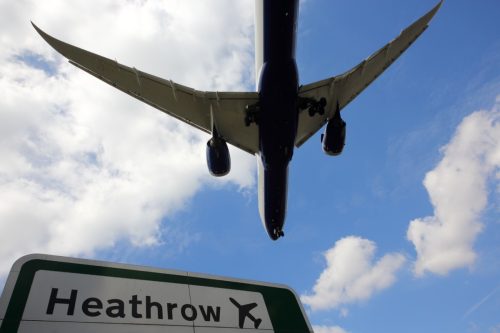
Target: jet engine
point(218, 158)
point(333, 139)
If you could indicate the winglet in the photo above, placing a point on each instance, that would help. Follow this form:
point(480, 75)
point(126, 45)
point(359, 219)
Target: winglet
point(49, 39)
point(67, 50)
point(434, 10)
point(42, 33)
point(423, 22)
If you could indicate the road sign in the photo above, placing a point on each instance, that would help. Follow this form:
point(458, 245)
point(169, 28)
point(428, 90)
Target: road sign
point(57, 294)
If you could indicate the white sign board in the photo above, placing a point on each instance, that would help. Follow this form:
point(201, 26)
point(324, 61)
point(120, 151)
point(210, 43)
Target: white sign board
point(55, 294)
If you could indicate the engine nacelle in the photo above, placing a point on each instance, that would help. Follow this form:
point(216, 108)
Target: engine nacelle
point(333, 139)
point(218, 158)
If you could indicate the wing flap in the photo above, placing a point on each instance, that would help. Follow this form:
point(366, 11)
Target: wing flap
point(344, 88)
point(184, 103)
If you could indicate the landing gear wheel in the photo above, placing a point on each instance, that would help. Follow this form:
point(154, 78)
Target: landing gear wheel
point(313, 110)
point(321, 106)
point(278, 233)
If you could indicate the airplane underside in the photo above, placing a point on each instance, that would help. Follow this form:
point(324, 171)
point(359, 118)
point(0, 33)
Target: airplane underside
point(268, 123)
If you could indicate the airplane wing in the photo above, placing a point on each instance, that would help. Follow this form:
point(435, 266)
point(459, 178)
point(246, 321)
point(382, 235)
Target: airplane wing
point(344, 88)
point(197, 108)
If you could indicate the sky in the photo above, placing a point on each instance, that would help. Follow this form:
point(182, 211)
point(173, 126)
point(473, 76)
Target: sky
point(399, 233)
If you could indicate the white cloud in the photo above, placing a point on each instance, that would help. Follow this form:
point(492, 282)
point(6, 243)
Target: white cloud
point(84, 166)
point(328, 329)
point(351, 274)
point(344, 312)
point(495, 329)
point(458, 189)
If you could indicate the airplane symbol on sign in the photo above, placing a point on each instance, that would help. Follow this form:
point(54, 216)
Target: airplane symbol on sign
point(244, 312)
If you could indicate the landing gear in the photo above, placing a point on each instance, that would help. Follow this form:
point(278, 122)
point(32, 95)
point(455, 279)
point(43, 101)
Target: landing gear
point(278, 233)
point(313, 106)
point(252, 114)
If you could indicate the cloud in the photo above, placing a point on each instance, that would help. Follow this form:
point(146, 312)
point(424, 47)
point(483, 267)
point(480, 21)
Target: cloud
point(495, 329)
point(458, 189)
point(351, 274)
point(84, 166)
point(328, 329)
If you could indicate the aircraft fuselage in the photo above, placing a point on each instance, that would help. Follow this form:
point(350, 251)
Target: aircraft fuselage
point(278, 85)
point(268, 122)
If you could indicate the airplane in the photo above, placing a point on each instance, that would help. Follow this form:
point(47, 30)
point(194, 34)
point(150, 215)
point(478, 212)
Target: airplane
point(269, 122)
point(244, 312)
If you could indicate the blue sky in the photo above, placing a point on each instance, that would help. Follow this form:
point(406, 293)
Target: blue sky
point(399, 233)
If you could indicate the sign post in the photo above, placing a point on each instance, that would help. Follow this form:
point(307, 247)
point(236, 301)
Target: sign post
point(57, 294)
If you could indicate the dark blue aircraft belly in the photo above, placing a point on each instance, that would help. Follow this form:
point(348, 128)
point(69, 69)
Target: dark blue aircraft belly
point(280, 23)
point(275, 193)
point(278, 117)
